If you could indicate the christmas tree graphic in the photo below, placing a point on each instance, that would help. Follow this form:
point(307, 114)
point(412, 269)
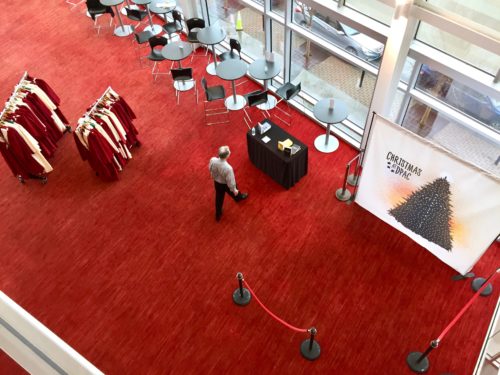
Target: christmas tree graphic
point(427, 212)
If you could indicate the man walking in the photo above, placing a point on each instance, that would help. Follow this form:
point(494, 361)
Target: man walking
point(224, 181)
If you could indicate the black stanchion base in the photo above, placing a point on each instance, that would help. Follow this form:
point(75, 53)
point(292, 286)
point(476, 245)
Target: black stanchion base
point(239, 300)
point(478, 282)
point(418, 367)
point(343, 195)
point(310, 354)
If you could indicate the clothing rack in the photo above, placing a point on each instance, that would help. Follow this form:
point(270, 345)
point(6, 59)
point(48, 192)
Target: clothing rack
point(8, 104)
point(105, 135)
point(13, 121)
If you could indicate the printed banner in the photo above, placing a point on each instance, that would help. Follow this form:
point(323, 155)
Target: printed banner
point(450, 207)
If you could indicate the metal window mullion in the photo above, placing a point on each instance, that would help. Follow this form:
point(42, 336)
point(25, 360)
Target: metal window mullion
point(287, 48)
point(407, 96)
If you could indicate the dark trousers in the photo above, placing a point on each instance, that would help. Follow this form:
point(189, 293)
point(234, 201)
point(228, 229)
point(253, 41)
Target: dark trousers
point(220, 192)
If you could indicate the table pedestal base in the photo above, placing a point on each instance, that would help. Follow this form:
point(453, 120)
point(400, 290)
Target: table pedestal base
point(270, 104)
point(126, 30)
point(156, 29)
point(183, 85)
point(211, 69)
point(332, 145)
point(231, 105)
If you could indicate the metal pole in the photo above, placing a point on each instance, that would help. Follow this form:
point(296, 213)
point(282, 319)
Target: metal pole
point(313, 332)
point(240, 282)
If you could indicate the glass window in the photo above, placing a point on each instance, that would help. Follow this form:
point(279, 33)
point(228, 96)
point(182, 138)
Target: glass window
point(251, 37)
point(459, 140)
point(323, 75)
point(278, 41)
point(373, 9)
point(459, 48)
point(482, 12)
point(278, 6)
point(337, 33)
point(468, 101)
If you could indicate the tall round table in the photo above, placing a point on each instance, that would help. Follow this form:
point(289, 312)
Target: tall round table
point(330, 116)
point(153, 7)
point(231, 70)
point(122, 30)
point(155, 29)
point(211, 35)
point(265, 70)
point(177, 51)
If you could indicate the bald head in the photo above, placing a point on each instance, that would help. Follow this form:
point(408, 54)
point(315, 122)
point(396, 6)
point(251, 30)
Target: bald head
point(224, 152)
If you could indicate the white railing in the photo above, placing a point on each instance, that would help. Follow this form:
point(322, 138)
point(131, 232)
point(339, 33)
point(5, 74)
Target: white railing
point(34, 347)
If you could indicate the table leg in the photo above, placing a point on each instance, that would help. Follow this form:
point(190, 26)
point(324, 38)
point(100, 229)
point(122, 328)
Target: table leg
point(155, 29)
point(271, 100)
point(211, 68)
point(327, 134)
point(234, 91)
point(234, 102)
point(122, 30)
point(323, 142)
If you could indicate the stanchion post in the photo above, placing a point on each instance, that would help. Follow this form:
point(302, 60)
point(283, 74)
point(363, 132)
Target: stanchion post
point(241, 296)
point(352, 179)
point(344, 194)
point(418, 362)
point(309, 348)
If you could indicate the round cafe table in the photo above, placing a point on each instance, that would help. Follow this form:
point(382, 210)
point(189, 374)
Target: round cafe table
point(162, 7)
point(265, 70)
point(211, 36)
point(323, 112)
point(231, 70)
point(155, 29)
point(177, 51)
point(122, 30)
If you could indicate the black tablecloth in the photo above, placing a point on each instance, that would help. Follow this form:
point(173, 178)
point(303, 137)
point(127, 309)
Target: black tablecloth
point(285, 170)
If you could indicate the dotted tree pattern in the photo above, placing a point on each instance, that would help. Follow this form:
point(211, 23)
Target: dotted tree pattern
point(428, 212)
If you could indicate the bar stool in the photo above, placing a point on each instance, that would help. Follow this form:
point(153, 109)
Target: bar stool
point(155, 55)
point(96, 9)
point(141, 39)
point(193, 25)
point(175, 26)
point(136, 15)
point(180, 77)
point(287, 92)
point(212, 95)
point(254, 99)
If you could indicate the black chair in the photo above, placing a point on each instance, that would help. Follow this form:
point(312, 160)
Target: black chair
point(180, 77)
point(136, 15)
point(193, 25)
point(214, 94)
point(254, 99)
point(141, 39)
point(286, 93)
point(156, 43)
point(235, 45)
point(95, 9)
point(175, 26)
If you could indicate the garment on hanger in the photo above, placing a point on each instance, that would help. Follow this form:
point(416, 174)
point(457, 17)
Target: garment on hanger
point(31, 124)
point(104, 138)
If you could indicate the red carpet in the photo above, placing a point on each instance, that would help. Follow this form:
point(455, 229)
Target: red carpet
point(137, 276)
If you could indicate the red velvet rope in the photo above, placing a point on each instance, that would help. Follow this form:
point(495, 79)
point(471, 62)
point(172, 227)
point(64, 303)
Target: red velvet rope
point(459, 315)
point(302, 330)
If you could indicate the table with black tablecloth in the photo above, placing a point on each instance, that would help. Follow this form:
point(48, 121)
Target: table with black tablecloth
point(285, 170)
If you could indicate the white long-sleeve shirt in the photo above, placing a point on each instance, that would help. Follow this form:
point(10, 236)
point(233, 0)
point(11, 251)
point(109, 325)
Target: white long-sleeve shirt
point(222, 172)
